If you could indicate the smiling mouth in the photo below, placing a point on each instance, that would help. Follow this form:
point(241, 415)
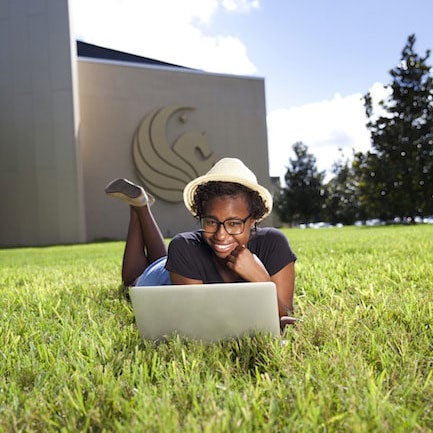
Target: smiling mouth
point(222, 248)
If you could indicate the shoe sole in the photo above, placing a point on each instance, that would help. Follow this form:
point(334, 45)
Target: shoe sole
point(120, 186)
point(129, 193)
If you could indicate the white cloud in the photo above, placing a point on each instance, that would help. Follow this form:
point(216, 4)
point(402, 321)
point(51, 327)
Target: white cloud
point(168, 30)
point(379, 93)
point(325, 127)
point(240, 5)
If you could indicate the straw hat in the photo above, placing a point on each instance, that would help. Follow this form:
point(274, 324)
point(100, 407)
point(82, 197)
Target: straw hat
point(228, 170)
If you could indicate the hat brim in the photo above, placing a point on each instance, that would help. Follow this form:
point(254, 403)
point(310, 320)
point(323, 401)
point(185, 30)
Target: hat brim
point(191, 187)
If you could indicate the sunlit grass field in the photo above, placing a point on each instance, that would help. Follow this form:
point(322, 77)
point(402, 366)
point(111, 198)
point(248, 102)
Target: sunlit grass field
point(360, 361)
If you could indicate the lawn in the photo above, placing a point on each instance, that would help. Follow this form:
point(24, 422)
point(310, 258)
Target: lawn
point(360, 361)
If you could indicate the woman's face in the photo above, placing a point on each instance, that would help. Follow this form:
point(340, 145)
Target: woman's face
point(221, 209)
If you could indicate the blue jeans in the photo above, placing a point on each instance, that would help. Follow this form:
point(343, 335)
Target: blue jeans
point(155, 274)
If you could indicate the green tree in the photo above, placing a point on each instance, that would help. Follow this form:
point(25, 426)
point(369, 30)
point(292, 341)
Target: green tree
point(302, 198)
point(342, 203)
point(396, 177)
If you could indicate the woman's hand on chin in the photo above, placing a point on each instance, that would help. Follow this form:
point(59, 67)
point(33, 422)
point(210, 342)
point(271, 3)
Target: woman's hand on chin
point(246, 264)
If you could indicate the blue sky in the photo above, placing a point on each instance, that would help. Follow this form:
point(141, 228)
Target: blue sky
point(317, 57)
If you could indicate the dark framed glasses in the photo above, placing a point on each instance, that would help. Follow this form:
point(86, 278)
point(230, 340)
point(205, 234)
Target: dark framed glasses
point(233, 226)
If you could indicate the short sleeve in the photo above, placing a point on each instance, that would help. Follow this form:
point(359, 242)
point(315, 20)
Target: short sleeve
point(179, 258)
point(272, 247)
point(189, 256)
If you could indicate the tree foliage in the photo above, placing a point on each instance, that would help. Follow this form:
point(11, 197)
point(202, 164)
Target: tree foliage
point(342, 202)
point(396, 176)
point(302, 197)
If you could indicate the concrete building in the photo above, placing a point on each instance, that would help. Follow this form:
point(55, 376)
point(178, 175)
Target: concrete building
point(70, 121)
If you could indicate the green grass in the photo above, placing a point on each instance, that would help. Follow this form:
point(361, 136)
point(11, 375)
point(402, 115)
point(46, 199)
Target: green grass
point(361, 360)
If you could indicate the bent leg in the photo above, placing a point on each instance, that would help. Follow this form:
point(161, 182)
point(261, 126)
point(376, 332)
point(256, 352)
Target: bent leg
point(144, 244)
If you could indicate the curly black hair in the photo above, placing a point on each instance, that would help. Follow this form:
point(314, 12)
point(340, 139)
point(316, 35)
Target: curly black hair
point(212, 189)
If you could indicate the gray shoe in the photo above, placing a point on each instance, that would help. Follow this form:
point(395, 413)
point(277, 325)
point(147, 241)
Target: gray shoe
point(129, 192)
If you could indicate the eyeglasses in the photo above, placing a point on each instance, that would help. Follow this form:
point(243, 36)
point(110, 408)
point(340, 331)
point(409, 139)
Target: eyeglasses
point(233, 226)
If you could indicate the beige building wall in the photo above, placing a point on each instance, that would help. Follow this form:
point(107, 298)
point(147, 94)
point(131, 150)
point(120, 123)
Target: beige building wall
point(40, 174)
point(202, 116)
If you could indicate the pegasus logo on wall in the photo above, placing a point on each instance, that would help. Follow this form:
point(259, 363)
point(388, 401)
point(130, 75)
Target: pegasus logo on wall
point(164, 168)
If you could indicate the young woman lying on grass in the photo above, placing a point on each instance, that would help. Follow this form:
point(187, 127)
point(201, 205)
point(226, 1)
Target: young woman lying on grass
point(230, 247)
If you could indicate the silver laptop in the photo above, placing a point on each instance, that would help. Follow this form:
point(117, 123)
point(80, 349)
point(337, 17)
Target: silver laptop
point(207, 312)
